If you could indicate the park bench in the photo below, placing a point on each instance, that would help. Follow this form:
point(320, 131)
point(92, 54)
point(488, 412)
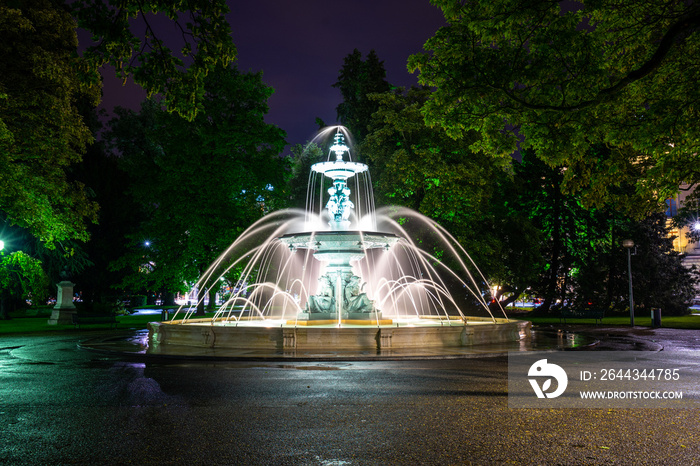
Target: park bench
point(94, 319)
point(596, 314)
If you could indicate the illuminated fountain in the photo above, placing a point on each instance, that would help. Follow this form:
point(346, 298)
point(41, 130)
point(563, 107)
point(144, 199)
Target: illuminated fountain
point(340, 276)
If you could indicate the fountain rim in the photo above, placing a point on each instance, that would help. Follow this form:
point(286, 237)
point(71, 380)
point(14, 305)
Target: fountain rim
point(339, 170)
point(363, 239)
point(339, 233)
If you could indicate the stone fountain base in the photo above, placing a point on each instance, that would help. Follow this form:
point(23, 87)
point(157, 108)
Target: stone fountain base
point(349, 321)
point(203, 333)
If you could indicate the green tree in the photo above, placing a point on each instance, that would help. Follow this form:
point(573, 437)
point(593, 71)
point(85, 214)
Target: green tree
point(422, 168)
point(357, 79)
point(658, 275)
point(584, 263)
point(561, 78)
point(302, 158)
point(41, 131)
point(178, 77)
point(42, 77)
point(199, 183)
point(573, 237)
point(21, 277)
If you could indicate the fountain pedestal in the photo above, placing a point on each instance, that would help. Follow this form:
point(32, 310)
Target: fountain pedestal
point(340, 296)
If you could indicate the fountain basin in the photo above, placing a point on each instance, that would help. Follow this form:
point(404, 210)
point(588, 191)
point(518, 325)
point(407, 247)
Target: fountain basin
point(327, 243)
point(280, 336)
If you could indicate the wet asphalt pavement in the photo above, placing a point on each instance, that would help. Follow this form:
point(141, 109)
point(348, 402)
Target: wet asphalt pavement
point(63, 405)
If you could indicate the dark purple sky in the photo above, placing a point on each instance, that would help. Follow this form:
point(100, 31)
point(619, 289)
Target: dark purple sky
point(300, 46)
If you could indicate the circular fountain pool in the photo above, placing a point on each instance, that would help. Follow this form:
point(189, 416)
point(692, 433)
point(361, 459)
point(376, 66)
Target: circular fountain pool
point(274, 335)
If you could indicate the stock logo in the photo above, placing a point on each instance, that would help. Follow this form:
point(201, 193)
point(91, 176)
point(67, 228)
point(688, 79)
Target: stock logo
point(542, 369)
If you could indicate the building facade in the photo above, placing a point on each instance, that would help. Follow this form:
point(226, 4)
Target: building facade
point(681, 242)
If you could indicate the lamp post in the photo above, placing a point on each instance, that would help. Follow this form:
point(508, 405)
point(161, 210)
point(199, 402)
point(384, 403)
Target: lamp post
point(629, 244)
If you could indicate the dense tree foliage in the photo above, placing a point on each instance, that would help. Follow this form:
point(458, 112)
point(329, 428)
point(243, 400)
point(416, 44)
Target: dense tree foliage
point(357, 79)
point(659, 278)
point(423, 168)
point(584, 263)
point(42, 134)
point(199, 183)
point(125, 36)
point(302, 158)
point(21, 277)
point(30, 268)
point(563, 77)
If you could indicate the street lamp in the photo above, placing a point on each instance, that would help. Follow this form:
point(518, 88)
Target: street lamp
point(629, 244)
point(2, 245)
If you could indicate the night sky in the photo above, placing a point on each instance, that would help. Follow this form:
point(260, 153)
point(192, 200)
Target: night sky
point(300, 46)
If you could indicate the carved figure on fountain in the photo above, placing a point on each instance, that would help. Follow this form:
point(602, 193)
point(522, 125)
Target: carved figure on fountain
point(357, 301)
point(324, 302)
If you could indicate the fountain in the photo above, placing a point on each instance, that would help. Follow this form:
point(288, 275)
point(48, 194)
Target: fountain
point(328, 278)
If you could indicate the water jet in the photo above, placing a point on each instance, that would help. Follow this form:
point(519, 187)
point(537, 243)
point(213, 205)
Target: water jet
point(340, 275)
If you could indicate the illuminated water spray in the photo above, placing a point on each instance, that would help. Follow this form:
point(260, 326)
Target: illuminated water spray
point(340, 275)
point(341, 296)
point(339, 262)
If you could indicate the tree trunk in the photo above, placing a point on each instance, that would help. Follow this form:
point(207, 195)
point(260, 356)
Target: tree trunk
point(200, 293)
point(4, 308)
point(168, 298)
point(611, 264)
point(495, 308)
point(200, 302)
point(212, 299)
point(551, 285)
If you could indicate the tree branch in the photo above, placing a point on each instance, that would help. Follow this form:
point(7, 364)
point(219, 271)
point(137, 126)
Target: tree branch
point(686, 24)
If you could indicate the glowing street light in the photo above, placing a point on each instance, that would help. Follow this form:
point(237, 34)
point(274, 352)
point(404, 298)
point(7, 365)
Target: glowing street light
point(2, 245)
point(629, 244)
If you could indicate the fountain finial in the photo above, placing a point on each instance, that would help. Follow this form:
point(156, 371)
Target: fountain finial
point(339, 146)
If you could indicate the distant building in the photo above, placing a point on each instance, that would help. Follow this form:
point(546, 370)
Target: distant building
point(681, 243)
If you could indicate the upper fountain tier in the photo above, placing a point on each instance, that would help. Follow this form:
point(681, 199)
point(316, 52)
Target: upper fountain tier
point(339, 169)
point(339, 205)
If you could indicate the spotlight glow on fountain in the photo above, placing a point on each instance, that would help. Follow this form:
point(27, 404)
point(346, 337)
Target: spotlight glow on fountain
point(341, 275)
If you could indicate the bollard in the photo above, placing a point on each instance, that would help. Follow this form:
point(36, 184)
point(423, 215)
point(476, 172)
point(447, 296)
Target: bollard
point(656, 317)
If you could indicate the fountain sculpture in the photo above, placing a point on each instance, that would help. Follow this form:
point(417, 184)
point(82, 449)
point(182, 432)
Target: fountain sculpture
point(375, 290)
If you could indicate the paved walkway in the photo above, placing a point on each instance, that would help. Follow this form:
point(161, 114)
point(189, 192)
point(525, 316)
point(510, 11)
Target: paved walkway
point(62, 405)
point(639, 338)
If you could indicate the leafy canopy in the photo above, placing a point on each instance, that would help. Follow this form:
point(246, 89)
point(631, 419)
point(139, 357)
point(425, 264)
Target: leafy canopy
point(21, 276)
point(199, 184)
point(41, 131)
point(43, 80)
point(420, 167)
point(357, 79)
point(125, 36)
point(622, 73)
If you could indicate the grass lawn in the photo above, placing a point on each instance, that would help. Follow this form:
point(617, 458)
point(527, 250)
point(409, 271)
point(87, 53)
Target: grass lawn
point(688, 322)
point(19, 323)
